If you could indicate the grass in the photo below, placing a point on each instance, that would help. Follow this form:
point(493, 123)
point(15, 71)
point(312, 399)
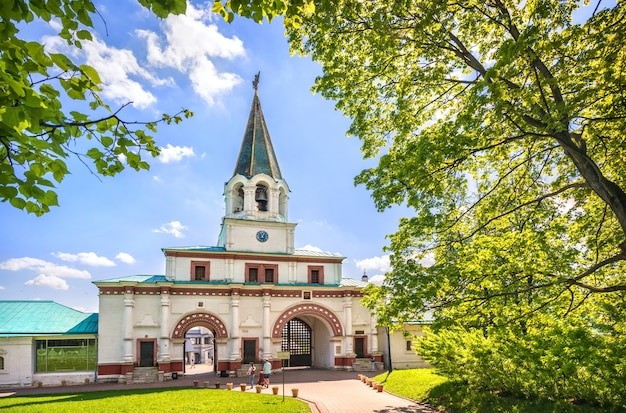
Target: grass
point(426, 386)
point(156, 400)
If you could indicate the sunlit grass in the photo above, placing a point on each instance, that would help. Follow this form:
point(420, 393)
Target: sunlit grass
point(156, 400)
point(426, 386)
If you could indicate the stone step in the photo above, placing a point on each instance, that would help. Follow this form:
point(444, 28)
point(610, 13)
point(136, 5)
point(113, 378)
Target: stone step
point(145, 375)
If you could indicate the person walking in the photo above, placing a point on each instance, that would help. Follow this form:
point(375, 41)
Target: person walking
point(251, 371)
point(267, 369)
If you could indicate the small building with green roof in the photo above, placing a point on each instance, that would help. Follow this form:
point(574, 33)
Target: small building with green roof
point(46, 342)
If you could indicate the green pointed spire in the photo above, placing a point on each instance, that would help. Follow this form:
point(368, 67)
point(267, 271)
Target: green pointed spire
point(256, 155)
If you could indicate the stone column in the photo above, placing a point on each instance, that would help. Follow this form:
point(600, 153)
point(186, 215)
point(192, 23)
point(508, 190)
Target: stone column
point(234, 328)
point(165, 322)
point(267, 328)
point(129, 303)
point(249, 203)
point(347, 313)
point(374, 336)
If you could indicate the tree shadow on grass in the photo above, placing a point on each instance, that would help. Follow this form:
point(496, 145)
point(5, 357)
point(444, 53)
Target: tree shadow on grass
point(455, 397)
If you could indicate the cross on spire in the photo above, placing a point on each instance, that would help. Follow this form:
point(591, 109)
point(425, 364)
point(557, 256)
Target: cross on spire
point(255, 82)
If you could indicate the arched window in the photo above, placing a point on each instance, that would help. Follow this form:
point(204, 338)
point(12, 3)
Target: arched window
point(1, 363)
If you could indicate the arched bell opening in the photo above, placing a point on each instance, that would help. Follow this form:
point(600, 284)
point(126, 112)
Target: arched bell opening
point(261, 197)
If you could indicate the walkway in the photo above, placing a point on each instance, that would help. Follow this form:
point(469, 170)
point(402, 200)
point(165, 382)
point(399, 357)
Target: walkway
point(326, 391)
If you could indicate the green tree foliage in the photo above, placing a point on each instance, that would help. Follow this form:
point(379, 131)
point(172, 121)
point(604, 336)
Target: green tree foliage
point(36, 134)
point(554, 360)
point(500, 123)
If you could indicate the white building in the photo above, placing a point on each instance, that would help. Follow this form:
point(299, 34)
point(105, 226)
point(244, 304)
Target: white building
point(254, 291)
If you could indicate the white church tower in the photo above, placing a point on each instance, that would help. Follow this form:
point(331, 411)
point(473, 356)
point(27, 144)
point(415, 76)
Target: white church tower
point(257, 196)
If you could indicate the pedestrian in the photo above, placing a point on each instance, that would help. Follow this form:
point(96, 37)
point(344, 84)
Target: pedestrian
point(373, 363)
point(267, 369)
point(251, 371)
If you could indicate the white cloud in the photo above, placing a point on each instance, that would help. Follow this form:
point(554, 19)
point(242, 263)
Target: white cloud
point(125, 258)
point(42, 267)
point(375, 264)
point(174, 153)
point(87, 258)
point(377, 279)
point(310, 247)
point(175, 228)
point(2, 287)
point(192, 43)
point(119, 70)
point(50, 281)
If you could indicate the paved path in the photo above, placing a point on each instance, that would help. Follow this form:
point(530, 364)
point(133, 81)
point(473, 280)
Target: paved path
point(326, 391)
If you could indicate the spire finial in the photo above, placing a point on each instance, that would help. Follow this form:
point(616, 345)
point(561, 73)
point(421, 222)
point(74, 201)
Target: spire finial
point(255, 82)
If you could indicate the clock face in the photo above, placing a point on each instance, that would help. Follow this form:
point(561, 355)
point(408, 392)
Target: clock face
point(262, 236)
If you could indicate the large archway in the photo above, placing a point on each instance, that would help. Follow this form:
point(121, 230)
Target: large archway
point(317, 330)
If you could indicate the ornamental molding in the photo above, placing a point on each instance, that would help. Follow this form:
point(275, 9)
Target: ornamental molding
point(307, 309)
point(200, 319)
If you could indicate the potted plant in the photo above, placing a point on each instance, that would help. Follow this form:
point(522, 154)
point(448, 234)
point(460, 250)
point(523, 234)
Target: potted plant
point(243, 386)
point(206, 384)
point(195, 383)
point(217, 385)
point(275, 389)
point(379, 387)
point(258, 388)
point(294, 392)
point(229, 386)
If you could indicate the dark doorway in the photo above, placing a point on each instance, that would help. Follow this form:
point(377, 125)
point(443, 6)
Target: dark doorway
point(146, 354)
point(359, 347)
point(296, 339)
point(249, 351)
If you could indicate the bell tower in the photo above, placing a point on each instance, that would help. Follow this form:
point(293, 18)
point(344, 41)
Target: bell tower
point(256, 196)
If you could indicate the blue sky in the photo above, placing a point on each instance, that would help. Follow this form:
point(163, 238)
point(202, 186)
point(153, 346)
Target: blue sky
point(111, 227)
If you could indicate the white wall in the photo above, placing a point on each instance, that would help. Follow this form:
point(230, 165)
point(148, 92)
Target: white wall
point(18, 361)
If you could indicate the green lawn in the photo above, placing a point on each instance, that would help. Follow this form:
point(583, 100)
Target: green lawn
point(426, 386)
point(155, 400)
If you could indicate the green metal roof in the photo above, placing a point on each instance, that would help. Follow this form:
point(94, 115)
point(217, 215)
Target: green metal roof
point(256, 155)
point(19, 318)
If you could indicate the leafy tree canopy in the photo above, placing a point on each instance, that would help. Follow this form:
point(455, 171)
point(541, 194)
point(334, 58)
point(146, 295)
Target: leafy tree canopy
point(500, 123)
point(36, 134)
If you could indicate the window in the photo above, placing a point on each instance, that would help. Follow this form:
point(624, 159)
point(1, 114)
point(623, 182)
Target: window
point(1, 363)
point(261, 273)
point(197, 340)
point(253, 275)
point(315, 274)
point(207, 340)
point(409, 345)
point(199, 273)
point(200, 270)
point(65, 355)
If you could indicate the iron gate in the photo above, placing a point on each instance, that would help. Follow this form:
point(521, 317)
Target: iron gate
point(296, 339)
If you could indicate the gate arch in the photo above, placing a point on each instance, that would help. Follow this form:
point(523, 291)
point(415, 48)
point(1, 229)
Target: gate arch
point(296, 340)
point(200, 319)
point(307, 309)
